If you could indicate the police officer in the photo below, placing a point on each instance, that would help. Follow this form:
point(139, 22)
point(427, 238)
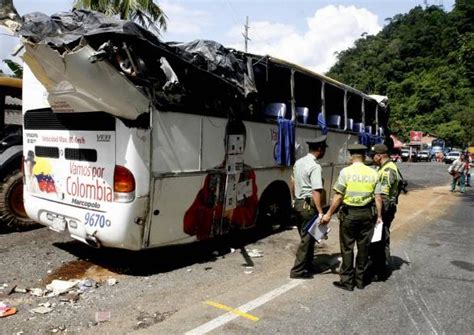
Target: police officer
point(387, 187)
point(307, 185)
point(355, 191)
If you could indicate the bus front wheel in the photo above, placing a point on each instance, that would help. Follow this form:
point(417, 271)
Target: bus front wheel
point(12, 210)
point(274, 207)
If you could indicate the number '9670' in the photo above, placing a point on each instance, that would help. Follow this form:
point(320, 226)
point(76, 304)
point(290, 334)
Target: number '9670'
point(96, 220)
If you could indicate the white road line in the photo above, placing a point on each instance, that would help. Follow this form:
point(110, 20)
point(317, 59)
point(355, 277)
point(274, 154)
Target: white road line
point(263, 299)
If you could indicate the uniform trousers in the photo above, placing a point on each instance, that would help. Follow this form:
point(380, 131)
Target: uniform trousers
point(302, 214)
point(379, 252)
point(356, 226)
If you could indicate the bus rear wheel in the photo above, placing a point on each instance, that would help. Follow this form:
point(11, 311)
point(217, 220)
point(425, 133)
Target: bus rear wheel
point(12, 210)
point(274, 206)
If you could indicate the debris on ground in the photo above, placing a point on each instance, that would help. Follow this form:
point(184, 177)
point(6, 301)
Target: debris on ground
point(6, 310)
point(58, 329)
point(102, 316)
point(146, 320)
point(69, 297)
point(59, 287)
point(37, 292)
point(255, 253)
point(248, 272)
point(6, 289)
point(112, 281)
point(41, 310)
point(20, 290)
point(87, 284)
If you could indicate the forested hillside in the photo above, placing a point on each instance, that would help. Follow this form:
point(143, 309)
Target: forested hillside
point(424, 62)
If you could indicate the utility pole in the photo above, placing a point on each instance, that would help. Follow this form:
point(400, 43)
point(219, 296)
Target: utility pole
point(246, 34)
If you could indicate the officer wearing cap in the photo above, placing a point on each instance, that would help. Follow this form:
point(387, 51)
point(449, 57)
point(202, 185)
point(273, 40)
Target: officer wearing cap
point(355, 191)
point(387, 188)
point(307, 186)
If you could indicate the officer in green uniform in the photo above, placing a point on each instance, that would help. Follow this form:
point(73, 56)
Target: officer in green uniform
point(307, 186)
point(387, 187)
point(355, 191)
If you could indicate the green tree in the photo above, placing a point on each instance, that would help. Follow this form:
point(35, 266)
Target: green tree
point(144, 12)
point(16, 68)
point(424, 62)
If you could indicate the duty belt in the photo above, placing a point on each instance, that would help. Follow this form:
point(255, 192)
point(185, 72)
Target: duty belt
point(369, 205)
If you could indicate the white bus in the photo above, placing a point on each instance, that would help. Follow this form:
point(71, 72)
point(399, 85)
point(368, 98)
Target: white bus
point(113, 164)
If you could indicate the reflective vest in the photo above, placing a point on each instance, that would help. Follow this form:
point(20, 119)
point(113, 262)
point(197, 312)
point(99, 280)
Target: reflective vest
point(357, 184)
point(388, 181)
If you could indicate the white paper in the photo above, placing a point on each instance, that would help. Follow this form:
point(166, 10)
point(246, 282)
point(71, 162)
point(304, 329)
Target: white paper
point(377, 232)
point(318, 231)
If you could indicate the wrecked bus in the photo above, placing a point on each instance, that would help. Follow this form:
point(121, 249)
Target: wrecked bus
point(133, 143)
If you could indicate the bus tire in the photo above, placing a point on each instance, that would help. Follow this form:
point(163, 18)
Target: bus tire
point(12, 210)
point(274, 207)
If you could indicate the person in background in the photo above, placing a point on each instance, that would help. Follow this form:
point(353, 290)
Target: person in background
point(360, 209)
point(457, 170)
point(468, 170)
point(307, 186)
point(387, 187)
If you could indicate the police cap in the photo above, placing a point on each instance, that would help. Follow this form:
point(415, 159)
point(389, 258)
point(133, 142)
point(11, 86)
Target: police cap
point(318, 142)
point(380, 149)
point(356, 148)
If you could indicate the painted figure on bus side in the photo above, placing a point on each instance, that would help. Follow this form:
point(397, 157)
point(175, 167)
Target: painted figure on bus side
point(228, 198)
point(31, 183)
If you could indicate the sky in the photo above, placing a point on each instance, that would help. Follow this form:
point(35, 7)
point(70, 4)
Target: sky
point(305, 32)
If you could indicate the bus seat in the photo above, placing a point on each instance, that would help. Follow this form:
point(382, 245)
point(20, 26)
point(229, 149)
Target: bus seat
point(275, 110)
point(350, 124)
point(334, 121)
point(358, 127)
point(368, 129)
point(302, 113)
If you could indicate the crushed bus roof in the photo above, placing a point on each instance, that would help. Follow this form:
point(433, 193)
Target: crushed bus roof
point(170, 75)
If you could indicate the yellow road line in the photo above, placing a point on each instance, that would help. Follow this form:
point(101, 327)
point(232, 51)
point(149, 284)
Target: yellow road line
point(232, 310)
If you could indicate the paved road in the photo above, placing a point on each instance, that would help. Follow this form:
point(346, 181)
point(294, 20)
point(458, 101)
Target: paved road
point(430, 291)
point(425, 174)
point(181, 289)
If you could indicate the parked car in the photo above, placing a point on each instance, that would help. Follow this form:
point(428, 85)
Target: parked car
point(396, 155)
point(405, 154)
point(423, 155)
point(451, 156)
